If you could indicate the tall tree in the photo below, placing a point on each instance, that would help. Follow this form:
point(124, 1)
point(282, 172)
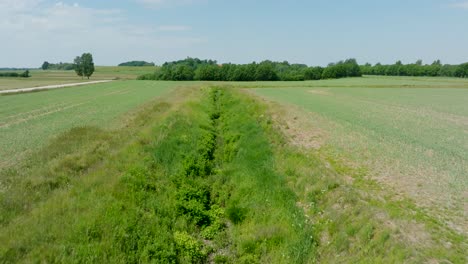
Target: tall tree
point(45, 65)
point(84, 65)
point(78, 66)
point(88, 64)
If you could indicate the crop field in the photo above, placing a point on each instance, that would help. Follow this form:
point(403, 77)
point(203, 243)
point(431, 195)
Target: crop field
point(366, 82)
point(50, 77)
point(357, 170)
point(413, 139)
point(30, 120)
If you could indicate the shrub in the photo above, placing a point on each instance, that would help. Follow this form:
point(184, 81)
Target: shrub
point(189, 249)
point(193, 201)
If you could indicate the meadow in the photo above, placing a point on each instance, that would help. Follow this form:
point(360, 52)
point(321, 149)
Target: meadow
point(358, 170)
point(51, 77)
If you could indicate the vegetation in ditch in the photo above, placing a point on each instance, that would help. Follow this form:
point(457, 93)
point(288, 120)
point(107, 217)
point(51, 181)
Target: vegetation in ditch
point(197, 187)
point(212, 180)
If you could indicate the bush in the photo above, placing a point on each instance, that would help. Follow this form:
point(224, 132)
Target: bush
point(148, 76)
point(189, 249)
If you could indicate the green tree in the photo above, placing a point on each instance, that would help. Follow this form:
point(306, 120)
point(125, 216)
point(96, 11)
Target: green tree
point(313, 73)
point(25, 74)
point(84, 65)
point(137, 63)
point(265, 72)
point(88, 64)
point(182, 73)
point(78, 66)
point(462, 71)
point(207, 72)
point(45, 65)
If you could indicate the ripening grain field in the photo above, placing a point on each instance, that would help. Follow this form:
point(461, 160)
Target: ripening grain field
point(413, 139)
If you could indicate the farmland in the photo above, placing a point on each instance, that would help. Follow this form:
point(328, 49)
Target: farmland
point(51, 77)
point(354, 170)
point(28, 121)
point(414, 140)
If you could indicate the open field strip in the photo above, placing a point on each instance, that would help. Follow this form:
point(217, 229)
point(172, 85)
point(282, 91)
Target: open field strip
point(28, 121)
point(50, 87)
point(365, 82)
point(414, 140)
point(205, 175)
point(51, 77)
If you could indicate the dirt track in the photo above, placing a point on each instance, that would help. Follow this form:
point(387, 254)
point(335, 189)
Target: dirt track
point(48, 87)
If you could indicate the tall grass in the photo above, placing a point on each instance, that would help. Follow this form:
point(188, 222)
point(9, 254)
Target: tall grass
point(198, 187)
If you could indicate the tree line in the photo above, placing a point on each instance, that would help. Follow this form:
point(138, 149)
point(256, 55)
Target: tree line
point(83, 65)
point(209, 70)
point(417, 69)
point(61, 66)
point(137, 63)
point(25, 74)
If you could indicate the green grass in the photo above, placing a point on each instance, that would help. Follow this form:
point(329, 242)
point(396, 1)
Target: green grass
point(204, 175)
point(355, 219)
point(366, 82)
point(413, 139)
point(195, 172)
point(197, 183)
point(51, 77)
point(28, 121)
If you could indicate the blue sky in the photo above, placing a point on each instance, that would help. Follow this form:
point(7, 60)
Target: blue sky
point(312, 32)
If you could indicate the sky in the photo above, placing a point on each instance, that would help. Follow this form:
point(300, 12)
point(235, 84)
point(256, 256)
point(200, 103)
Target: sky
point(313, 32)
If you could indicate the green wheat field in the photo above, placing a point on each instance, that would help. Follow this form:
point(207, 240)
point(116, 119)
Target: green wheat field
point(354, 170)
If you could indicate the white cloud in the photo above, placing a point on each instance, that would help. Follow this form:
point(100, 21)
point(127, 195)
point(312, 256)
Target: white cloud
point(33, 32)
point(9, 6)
point(165, 3)
point(173, 28)
point(462, 5)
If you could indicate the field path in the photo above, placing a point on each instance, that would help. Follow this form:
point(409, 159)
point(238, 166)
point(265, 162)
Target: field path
point(56, 86)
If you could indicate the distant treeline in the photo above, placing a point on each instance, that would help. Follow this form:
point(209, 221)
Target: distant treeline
point(61, 66)
point(25, 74)
point(417, 69)
point(14, 69)
point(137, 63)
point(209, 70)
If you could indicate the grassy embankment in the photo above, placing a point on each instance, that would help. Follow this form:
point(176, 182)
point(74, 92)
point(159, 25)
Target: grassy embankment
point(50, 77)
point(211, 179)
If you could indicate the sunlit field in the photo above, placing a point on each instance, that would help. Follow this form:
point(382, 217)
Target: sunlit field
point(355, 170)
point(52, 77)
point(413, 139)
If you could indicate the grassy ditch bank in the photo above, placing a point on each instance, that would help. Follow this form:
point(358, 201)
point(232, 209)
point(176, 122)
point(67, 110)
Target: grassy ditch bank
point(211, 179)
point(197, 186)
